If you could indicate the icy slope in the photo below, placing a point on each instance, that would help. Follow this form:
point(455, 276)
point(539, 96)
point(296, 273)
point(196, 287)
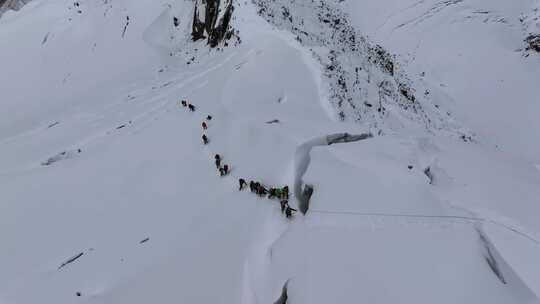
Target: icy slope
point(106, 163)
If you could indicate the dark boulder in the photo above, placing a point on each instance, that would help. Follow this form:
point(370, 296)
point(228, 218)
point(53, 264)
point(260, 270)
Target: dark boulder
point(533, 42)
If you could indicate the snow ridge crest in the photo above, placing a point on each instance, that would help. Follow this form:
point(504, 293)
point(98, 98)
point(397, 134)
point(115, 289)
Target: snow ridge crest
point(366, 83)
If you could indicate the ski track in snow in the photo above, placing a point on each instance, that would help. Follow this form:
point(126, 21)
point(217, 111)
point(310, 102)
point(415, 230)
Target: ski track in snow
point(136, 122)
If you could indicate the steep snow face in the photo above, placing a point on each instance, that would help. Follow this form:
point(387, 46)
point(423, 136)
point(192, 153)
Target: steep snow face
point(473, 52)
point(91, 51)
point(311, 259)
point(365, 82)
point(302, 159)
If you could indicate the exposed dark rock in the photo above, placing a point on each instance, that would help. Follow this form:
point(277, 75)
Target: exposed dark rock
point(533, 42)
point(125, 27)
point(61, 156)
point(212, 21)
point(490, 256)
point(304, 200)
point(71, 260)
point(407, 92)
point(284, 296)
point(382, 58)
point(53, 124)
point(429, 174)
point(6, 5)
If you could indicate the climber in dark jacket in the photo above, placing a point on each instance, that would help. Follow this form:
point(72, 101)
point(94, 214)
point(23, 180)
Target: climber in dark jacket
point(204, 126)
point(261, 190)
point(217, 158)
point(224, 170)
point(205, 139)
point(184, 103)
point(242, 183)
point(191, 107)
point(284, 204)
point(289, 211)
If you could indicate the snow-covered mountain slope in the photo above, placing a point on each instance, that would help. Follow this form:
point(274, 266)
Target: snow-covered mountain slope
point(363, 81)
point(108, 195)
point(531, 25)
point(474, 52)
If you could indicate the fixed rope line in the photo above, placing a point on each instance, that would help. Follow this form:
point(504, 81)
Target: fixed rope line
point(425, 216)
point(400, 215)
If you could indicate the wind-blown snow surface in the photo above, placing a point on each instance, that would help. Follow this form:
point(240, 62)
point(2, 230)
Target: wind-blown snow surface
point(473, 51)
point(132, 188)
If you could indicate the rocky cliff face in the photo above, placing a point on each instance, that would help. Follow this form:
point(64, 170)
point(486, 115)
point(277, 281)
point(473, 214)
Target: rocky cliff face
point(6, 5)
point(533, 42)
point(211, 21)
point(531, 24)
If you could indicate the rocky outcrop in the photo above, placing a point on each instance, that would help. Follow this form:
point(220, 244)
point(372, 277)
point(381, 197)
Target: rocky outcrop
point(212, 21)
point(361, 80)
point(533, 42)
point(531, 26)
point(6, 5)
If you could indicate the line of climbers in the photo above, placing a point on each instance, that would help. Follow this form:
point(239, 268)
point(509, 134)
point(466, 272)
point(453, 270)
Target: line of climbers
point(191, 108)
point(222, 170)
point(188, 105)
point(282, 194)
